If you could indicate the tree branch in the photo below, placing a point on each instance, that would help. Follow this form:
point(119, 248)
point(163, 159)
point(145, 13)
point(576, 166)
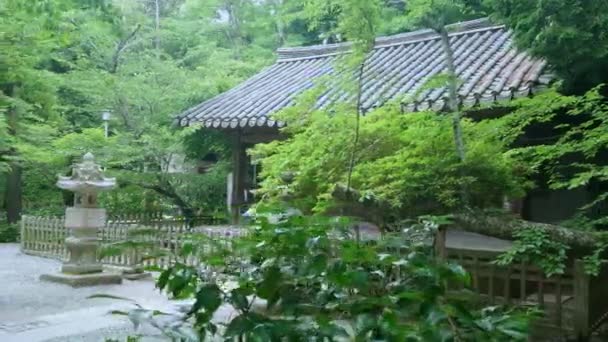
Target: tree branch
point(164, 188)
point(358, 113)
point(120, 47)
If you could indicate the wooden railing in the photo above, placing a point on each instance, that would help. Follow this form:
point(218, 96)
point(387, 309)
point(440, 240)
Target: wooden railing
point(45, 236)
point(574, 303)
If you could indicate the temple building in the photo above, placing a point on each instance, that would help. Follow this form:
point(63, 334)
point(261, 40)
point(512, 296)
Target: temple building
point(490, 70)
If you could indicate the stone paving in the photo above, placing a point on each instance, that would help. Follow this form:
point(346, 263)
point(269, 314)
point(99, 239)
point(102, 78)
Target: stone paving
point(32, 310)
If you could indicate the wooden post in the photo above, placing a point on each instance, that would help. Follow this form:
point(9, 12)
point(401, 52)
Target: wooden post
point(22, 236)
point(440, 243)
point(239, 175)
point(581, 315)
point(598, 299)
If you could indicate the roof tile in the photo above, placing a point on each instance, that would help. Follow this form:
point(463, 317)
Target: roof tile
point(488, 66)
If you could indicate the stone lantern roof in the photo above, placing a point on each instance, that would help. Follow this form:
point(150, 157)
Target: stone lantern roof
point(87, 177)
point(86, 181)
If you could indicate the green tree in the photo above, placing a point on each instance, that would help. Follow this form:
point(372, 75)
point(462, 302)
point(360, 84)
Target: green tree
point(575, 155)
point(436, 15)
point(569, 34)
point(405, 162)
point(27, 87)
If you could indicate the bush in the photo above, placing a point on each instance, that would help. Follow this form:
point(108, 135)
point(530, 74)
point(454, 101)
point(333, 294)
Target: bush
point(308, 279)
point(9, 232)
point(407, 161)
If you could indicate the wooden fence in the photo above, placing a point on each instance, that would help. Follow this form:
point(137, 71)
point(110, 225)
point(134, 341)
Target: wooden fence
point(45, 236)
point(574, 303)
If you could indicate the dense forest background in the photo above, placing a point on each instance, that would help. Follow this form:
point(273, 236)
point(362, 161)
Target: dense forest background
point(65, 62)
point(143, 61)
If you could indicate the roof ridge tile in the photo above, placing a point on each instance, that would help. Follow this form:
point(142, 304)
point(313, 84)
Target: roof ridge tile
point(325, 50)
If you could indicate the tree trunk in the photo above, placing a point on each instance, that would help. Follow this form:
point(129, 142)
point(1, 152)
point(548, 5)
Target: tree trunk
point(504, 227)
point(13, 194)
point(157, 26)
point(358, 113)
point(453, 96)
point(234, 31)
point(453, 106)
point(281, 35)
point(165, 188)
point(120, 47)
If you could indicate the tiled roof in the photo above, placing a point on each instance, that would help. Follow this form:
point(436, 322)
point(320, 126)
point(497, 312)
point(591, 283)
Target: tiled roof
point(488, 66)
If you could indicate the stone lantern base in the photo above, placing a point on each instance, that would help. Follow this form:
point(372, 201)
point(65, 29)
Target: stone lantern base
point(81, 280)
point(83, 268)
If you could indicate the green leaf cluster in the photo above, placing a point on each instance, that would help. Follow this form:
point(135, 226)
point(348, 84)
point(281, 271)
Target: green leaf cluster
point(571, 35)
point(406, 160)
point(573, 154)
point(306, 278)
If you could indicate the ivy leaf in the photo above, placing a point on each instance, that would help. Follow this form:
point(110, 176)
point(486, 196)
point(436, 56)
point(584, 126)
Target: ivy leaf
point(268, 287)
point(239, 325)
point(238, 298)
point(208, 297)
point(518, 335)
point(162, 280)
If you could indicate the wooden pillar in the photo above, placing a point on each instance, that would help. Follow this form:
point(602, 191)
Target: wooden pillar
point(441, 251)
point(582, 319)
point(590, 300)
point(239, 176)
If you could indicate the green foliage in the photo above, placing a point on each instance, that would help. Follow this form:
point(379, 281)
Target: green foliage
point(436, 14)
point(535, 247)
point(406, 160)
point(573, 157)
point(356, 20)
point(593, 262)
point(69, 61)
point(305, 278)
point(9, 232)
point(569, 34)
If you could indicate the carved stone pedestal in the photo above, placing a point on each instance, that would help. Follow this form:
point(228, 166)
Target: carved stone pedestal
point(82, 268)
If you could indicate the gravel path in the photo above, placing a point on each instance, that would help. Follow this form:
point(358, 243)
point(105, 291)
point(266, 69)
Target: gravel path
point(32, 310)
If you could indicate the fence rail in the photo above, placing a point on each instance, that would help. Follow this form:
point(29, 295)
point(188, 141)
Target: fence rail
point(45, 236)
point(573, 303)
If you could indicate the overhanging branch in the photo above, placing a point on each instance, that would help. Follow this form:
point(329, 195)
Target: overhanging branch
point(120, 47)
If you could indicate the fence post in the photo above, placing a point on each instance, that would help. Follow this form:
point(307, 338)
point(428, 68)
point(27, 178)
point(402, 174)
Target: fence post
point(581, 302)
point(440, 243)
point(22, 239)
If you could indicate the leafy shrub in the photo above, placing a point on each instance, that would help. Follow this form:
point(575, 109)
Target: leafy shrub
point(536, 247)
point(574, 156)
point(9, 232)
point(308, 279)
point(406, 160)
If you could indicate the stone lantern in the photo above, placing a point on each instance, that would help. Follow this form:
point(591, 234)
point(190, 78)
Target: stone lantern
point(84, 220)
